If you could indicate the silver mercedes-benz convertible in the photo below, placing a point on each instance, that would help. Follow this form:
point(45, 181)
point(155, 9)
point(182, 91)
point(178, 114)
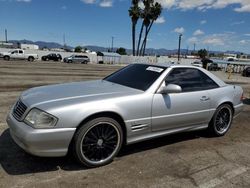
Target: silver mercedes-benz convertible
point(94, 119)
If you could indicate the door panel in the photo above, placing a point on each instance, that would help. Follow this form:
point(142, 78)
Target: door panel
point(181, 109)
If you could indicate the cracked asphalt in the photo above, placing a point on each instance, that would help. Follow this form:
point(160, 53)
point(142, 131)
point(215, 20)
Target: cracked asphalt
point(183, 160)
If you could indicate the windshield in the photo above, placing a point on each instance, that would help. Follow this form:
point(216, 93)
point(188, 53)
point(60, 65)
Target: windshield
point(138, 76)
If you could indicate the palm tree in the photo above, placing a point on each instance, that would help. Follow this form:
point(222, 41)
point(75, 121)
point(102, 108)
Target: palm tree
point(134, 13)
point(154, 13)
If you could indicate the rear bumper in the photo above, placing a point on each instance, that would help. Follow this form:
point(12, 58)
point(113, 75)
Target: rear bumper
point(40, 142)
point(237, 109)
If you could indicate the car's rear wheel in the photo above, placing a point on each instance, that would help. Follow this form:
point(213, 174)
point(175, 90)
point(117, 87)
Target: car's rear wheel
point(84, 62)
point(222, 120)
point(31, 58)
point(98, 141)
point(7, 58)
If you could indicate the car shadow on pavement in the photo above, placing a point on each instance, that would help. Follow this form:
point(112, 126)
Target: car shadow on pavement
point(246, 101)
point(17, 162)
point(160, 142)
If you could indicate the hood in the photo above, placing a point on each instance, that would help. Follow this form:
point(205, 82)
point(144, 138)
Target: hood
point(5, 53)
point(78, 90)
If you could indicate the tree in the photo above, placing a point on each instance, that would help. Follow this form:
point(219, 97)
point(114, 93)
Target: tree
point(202, 53)
point(148, 14)
point(154, 12)
point(134, 13)
point(121, 51)
point(78, 49)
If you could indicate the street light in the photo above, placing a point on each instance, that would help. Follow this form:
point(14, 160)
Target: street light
point(179, 49)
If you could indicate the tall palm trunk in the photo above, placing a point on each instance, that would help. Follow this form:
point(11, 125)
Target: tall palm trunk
point(144, 44)
point(139, 42)
point(133, 37)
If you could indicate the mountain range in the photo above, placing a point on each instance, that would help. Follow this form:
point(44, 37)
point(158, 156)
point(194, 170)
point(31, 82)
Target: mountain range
point(149, 51)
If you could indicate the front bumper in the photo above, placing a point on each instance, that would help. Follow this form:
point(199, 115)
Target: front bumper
point(40, 142)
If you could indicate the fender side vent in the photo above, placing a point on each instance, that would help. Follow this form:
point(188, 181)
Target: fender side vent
point(139, 127)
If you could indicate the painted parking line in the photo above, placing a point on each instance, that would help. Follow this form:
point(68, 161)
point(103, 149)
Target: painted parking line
point(217, 181)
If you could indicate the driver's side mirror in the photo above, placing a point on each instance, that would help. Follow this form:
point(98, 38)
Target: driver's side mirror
point(170, 88)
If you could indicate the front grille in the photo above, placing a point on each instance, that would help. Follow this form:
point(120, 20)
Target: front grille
point(19, 110)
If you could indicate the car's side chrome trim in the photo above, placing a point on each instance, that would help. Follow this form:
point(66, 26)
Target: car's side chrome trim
point(151, 135)
point(170, 115)
point(140, 119)
point(181, 114)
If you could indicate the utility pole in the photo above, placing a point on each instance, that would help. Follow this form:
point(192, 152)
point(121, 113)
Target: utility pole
point(179, 49)
point(6, 36)
point(194, 47)
point(64, 43)
point(112, 43)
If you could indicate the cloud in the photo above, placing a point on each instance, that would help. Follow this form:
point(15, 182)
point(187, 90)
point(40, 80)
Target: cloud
point(198, 32)
point(244, 8)
point(167, 3)
point(247, 34)
point(25, 1)
point(203, 22)
point(203, 5)
point(243, 42)
point(106, 3)
point(179, 30)
point(160, 20)
point(215, 41)
point(238, 23)
point(192, 40)
point(141, 5)
point(102, 3)
point(221, 39)
point(88, 1)
point(64, 7)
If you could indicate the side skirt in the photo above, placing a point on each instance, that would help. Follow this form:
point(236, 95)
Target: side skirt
point(148, 136)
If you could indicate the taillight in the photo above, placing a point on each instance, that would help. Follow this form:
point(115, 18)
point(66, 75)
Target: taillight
point(242, 97)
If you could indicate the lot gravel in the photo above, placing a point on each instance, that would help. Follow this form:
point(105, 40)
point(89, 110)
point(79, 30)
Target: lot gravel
point(183, 160)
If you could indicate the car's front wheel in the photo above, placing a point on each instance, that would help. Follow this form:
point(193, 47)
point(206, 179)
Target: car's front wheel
point(222, 120)
point(98, 141)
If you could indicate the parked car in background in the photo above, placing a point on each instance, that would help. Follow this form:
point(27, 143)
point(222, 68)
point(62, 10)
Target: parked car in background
point(18, 54)
point(246, 72)
point(197, 64)
point(214, 67)
point(77, 59)
point(94, 119)
point(52, 56)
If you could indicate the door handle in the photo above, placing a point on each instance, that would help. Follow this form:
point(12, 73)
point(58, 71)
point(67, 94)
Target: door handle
point(204, 98)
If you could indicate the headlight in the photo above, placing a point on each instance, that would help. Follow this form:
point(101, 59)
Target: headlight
point(40, 119)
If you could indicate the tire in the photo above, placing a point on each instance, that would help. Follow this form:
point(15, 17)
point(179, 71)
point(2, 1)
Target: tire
point(84, 62)
point(31, 58)
point(97, 142)
point(7, 58)
point(221, 121)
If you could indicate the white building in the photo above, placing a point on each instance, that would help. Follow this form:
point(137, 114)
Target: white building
point(29, 46)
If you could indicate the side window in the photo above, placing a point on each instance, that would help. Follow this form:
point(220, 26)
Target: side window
point(20, 52)
point(208, 83)
point(190, 79)
point(14, 52)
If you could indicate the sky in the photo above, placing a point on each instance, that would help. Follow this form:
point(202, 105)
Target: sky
point(212, 24)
